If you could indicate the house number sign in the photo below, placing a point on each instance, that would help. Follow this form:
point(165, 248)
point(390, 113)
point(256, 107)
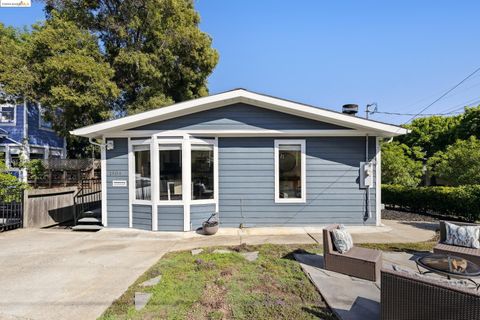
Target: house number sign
point(119, 183)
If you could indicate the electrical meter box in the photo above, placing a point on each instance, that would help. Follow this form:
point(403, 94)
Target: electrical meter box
point(366, 174)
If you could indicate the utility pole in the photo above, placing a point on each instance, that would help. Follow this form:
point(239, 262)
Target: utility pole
point(368, 111)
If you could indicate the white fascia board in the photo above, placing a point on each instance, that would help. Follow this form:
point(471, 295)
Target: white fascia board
point(235, 96)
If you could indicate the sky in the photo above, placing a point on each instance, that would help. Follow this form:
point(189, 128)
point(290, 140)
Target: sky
point(400, 54)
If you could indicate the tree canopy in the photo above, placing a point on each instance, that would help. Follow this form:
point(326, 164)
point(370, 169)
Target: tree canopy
point(159, 54)
point(459, 164)
point(95, 60)
point(449, 143)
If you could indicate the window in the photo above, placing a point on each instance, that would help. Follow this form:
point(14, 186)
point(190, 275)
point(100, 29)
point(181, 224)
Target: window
point(170, 158)
point(7, 114)
point(142, 172)
point(202, 172)
point(44, 124)
point(15, 157)
point(290, 171)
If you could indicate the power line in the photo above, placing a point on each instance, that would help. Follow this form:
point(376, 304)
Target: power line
point(414, 114)
point(443, 95)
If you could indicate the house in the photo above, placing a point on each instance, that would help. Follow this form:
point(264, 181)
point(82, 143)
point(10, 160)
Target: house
point(24, 131)
point(257, 160)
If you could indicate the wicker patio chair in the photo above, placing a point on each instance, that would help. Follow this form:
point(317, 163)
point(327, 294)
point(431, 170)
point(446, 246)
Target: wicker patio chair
point(463, 252)
point(357, 262)
point(408, 297)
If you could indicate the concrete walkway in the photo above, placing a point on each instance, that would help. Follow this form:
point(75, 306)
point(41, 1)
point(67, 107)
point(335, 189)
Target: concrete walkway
point(59, 274)
point(348, 297)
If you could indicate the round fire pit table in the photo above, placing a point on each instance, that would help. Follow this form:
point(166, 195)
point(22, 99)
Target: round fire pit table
point(449, 266)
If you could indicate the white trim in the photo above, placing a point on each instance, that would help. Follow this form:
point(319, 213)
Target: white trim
point(240, 96)
point(186, 181)
point(9, 105)
point(216, 166)
point(277, 144)
point(243, 133)
point(378, 181)
point(155, 181)
point(131, 182)
point(103, 163)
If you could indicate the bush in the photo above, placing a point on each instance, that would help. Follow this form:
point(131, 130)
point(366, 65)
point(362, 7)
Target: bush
point(11, 188)
point(400, 164)
point(462, 202)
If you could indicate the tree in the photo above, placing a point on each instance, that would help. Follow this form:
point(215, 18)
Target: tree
point(431, 134)
point(459, 164)
point(16, 76)
point(470, 123)
point(72, 81)
point(401, 164)
point(155, 46)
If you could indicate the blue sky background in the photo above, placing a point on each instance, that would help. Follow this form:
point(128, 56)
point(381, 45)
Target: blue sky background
point(400, 54)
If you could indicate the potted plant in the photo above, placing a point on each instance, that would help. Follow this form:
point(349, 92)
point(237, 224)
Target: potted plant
point(210, 226)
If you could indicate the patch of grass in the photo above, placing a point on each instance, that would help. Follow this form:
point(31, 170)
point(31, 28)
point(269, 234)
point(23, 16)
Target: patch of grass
point(401, 247)
point(227, 286)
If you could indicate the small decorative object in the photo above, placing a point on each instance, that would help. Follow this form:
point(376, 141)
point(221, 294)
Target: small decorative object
point(210, 227)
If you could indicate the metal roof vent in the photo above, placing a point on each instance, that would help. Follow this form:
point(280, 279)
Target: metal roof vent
point(350, 109)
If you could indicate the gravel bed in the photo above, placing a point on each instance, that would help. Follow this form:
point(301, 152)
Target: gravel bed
point(406, 216)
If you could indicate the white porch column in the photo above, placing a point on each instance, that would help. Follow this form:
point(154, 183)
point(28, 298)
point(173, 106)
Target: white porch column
point(154, 181)
point(103, 162)
point(186, 181)
point(378, 181)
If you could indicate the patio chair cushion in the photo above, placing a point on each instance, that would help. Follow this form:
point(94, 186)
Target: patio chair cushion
point(342, 239)
point(465, 236)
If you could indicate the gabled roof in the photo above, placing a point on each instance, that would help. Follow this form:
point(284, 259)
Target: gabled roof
point(237, 96)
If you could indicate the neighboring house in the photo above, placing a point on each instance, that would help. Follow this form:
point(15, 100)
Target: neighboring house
point(257, 160)
point(24, 131)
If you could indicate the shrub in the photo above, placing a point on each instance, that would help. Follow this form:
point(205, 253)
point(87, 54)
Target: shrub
point(400, 164)
point(462, 202)
point(11, 188)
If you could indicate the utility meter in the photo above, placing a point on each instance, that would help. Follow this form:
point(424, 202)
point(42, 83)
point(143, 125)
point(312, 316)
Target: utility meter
point(366, 174)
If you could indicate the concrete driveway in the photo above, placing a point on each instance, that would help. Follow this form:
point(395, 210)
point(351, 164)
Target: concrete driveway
point(60, 274)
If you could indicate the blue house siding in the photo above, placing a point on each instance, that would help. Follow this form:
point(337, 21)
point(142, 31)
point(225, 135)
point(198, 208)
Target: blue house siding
point(199, 213)
point(41, 136)
point(170, 218)
point(15, 131)
point(117, 197)
point(246, 183)
point(142, 216)
point(239, 116)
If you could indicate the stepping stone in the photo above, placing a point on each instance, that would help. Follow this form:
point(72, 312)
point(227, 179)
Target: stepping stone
point(196, 251)
point(151, 282)
point(222, 251)
point(250, 256)
point(141, 300)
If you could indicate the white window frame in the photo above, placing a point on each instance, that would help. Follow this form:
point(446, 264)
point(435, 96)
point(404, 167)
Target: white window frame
point(165, 142)
point(9, 105)
point(214, 144)
point(131, 170)
point(277, 144)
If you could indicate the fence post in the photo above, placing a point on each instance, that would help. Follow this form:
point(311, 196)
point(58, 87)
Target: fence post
point(24, 208)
